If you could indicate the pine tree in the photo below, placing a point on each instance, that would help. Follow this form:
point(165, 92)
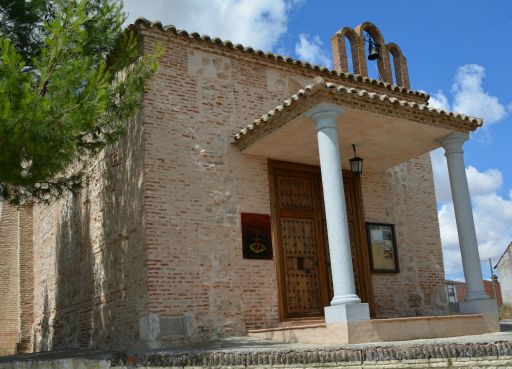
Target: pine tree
point(22, 23)
point(70, 78)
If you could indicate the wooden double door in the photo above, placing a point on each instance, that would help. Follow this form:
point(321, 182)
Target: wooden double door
point(300, 236)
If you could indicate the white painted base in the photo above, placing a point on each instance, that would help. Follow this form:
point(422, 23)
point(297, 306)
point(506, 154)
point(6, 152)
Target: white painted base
point(346, 313)
point(381, 330)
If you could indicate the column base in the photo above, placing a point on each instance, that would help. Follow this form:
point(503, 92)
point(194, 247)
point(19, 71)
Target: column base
point(486, 307)
point(346, 313)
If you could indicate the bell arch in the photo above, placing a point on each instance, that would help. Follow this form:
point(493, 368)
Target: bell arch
point(339, 51)
point(399, 65)
point(383, 63)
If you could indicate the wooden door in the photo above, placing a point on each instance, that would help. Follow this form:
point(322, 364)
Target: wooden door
point(298, 226)
point(301, 243)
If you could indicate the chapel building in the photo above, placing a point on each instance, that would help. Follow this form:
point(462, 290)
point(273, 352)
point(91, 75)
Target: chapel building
point(236, 204)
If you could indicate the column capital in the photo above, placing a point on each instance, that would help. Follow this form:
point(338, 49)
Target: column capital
point(453, 142)
point(324, 115)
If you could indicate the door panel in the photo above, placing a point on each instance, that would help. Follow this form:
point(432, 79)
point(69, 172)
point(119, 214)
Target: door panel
point(302, 260)
point(302, 278)
point(295, 192)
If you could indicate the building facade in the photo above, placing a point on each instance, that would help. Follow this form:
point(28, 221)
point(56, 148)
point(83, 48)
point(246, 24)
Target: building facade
point(504, 267)
point(151, 251)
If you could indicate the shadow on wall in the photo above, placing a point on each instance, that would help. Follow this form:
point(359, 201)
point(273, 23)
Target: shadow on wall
point(44, 342)
point(100, 259)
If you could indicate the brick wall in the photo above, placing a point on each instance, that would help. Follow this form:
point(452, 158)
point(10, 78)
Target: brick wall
point(197, 185)
point(90, 287)
point(404, 196)
point(26, 279)
point(9, 279)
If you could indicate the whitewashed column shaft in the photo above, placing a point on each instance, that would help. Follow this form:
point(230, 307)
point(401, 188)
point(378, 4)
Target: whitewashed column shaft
point(464, 216)
point(325, 117)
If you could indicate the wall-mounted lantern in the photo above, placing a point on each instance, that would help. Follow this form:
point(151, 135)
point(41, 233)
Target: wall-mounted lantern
point(356, 163)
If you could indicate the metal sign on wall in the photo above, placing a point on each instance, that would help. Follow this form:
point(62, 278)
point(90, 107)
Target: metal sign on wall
point(256, 236)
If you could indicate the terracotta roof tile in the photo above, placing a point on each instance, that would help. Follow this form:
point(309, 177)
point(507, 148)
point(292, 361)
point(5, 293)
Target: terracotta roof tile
point(320, 84)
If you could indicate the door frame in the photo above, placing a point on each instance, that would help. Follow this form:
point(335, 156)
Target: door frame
point(362, 257)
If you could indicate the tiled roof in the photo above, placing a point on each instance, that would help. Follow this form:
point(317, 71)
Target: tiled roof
point(320, 84)
point(144, 23)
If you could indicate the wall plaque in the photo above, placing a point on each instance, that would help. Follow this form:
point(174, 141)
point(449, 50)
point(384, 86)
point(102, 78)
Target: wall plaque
point(256, 236)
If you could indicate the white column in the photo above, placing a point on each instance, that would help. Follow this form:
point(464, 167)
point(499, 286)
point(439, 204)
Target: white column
point(464, 216)
point(345, 305)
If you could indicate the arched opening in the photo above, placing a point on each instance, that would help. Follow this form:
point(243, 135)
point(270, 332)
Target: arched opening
point(398, 65)
point(350, 61)
point(392, 62)
point(347, 51)
point(380, 68)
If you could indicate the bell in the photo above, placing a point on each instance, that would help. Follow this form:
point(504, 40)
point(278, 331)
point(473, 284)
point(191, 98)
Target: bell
point(373, 52)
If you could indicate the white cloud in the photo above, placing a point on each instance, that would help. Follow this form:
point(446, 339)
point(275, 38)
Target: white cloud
point(258, 24)
point(479, 183)
point(441, 179)
point(310, 49)
point(469, 96)
point(493, 216)
point(483, 183)
point(439, 101)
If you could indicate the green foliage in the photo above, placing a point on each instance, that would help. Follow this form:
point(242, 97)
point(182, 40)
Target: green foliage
point(86, 79)
point(22, 22)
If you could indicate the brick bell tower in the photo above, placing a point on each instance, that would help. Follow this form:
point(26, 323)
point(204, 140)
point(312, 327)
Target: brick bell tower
point(357, 38)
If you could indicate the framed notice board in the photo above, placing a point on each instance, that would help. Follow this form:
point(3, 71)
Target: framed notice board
point(382, 247)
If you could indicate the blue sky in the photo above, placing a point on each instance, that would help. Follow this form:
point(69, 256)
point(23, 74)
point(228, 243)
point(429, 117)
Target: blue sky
point(458, 51)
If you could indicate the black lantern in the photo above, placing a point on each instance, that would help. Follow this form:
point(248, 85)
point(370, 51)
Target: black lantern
point(356, 163)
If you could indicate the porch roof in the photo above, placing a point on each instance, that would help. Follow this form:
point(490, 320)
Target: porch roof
point(385, 129)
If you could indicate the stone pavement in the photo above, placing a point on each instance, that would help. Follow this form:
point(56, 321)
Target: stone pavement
point(484, 351)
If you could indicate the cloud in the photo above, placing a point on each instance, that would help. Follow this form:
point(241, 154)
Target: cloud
point(489, 181)
point(441, 179)
point(259, 24)
point(469, 96)
point(310, 49)
point(493, 216)
point(439, 101)
point(482, 183)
